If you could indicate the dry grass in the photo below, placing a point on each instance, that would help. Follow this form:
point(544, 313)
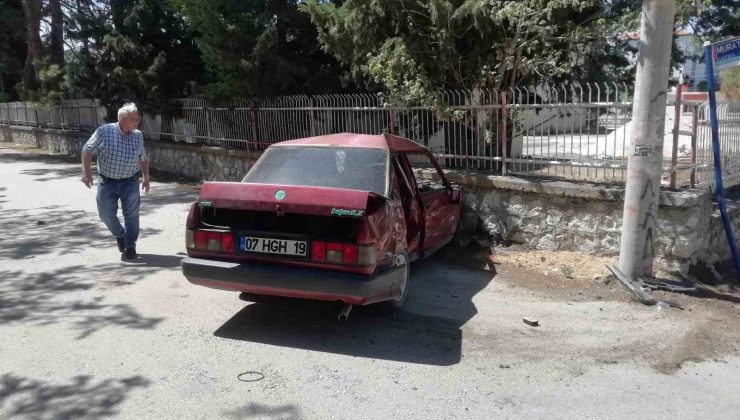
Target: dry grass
point(566, 265)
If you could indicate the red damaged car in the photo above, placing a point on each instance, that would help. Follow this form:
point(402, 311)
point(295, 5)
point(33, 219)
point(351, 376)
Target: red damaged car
point(336, 217)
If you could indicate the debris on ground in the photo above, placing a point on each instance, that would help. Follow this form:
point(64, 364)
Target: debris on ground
point(641, 291)
point(531, 322)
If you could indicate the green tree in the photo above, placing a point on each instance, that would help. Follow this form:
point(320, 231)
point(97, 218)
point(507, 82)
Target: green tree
point(413, 47)
point(731, 83)
point(32, 12)
point(259, 48)
point(132, 50)
point(12, 49)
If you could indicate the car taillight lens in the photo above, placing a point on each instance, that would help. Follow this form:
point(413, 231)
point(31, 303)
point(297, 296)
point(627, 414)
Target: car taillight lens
point(200, 239)
point(349, 254)
point(189, 239)
point(338, 253)
point(227, 243)
point(366, 255)
point(210, 241)
point(318, 251)
point(213, 241)
point(334, 252)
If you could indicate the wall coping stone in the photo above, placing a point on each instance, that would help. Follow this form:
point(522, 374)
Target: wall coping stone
point(197, 148)
point(47, 130)
point(21, 127)
point(585, 190)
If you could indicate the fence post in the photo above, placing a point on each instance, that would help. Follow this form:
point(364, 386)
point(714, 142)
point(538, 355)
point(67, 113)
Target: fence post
point(504, 134)
point(38, 123)
point(311, 117)
point(79, 116)
point(255, 129)
point(676, 126)
point(391, 120)
point(694, 123)
point(209, 132)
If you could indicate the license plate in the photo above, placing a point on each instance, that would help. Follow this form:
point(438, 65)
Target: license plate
point(274, 246)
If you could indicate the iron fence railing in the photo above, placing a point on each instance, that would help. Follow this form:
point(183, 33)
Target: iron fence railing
point(69, 114)
point(571, 131)
point(728, 119)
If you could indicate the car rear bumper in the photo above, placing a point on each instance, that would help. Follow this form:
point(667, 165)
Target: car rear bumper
point(293, 282)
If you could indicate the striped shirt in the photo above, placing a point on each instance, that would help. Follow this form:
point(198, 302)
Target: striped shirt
point(118, 154)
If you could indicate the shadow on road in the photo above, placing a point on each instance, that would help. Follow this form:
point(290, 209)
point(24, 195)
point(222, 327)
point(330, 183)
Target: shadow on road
point(47, 230)
point(81, 397)
point(426, 331)
point(47, 297)
point(48, 173)
point(69, 168)
point(156, 261)
point(282, 412)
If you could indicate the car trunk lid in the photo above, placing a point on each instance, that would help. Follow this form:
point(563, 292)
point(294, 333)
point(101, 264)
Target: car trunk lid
point(283, 199)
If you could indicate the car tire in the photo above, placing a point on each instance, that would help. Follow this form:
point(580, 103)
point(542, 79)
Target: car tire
point(397, 302)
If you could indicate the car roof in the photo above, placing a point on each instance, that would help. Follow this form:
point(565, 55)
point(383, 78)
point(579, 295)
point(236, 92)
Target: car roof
point(379, 141)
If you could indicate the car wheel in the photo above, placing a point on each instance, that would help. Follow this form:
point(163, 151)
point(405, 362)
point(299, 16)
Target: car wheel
point(398, 301)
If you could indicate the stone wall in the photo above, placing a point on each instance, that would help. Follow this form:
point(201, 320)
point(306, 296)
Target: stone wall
point(200, 162)
point(192, 161)
point(555, 215)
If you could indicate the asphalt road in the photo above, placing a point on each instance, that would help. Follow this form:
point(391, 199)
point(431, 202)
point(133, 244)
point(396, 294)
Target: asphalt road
point(84, 335)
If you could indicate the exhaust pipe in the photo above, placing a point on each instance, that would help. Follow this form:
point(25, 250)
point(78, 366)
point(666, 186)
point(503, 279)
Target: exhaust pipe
point(344, 314)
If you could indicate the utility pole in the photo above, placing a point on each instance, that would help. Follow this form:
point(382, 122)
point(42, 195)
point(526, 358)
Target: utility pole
point(640, 219)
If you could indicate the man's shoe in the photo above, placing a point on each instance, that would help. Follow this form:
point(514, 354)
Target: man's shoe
point(130, 254)
point(121, 244)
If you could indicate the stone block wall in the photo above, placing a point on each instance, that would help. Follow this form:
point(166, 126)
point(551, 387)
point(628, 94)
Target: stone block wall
point(552, 215)
point(188, 160)
point(200, 162)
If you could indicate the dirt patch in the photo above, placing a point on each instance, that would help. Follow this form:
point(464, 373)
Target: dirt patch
point(575, 267)
point(666, 338)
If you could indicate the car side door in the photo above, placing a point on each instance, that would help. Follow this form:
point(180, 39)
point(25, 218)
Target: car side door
point(440, 203)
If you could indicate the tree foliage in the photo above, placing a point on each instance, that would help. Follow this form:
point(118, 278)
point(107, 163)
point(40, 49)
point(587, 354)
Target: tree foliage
point(151, 50)
point(258, 48)
point(731, 83)
point(134, 50)
point(411, 47)
point(12, 48)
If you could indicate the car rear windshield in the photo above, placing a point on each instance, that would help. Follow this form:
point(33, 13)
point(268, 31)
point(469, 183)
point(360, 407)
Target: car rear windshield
point(334, 167)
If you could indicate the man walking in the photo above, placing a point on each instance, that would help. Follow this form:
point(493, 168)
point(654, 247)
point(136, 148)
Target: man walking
point(121, 159)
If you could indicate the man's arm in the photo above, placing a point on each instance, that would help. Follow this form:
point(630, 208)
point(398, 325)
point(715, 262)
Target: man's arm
point(86, 169)
point(91, 146)
point(144, 165)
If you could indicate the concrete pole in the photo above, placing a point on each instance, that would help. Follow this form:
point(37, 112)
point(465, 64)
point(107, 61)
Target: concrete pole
point(640, 222)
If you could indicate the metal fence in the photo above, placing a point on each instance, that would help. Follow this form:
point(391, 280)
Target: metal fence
point(69, 114)
point(728, 118)
point(571, 131)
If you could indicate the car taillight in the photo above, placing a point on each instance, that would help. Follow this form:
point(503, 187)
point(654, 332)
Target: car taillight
point(213, 241)
point(334, 252)
point(349, 254)
point(318, 251)
point(189, 239)
point(366, 255)
point(338, 253)
point(200, 239)
point(210, 241)
point(227, 242)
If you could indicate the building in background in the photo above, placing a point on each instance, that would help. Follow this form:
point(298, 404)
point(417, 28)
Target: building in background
point(692, 71)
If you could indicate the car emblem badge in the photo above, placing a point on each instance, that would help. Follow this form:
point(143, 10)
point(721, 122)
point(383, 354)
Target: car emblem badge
point(279, 195)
